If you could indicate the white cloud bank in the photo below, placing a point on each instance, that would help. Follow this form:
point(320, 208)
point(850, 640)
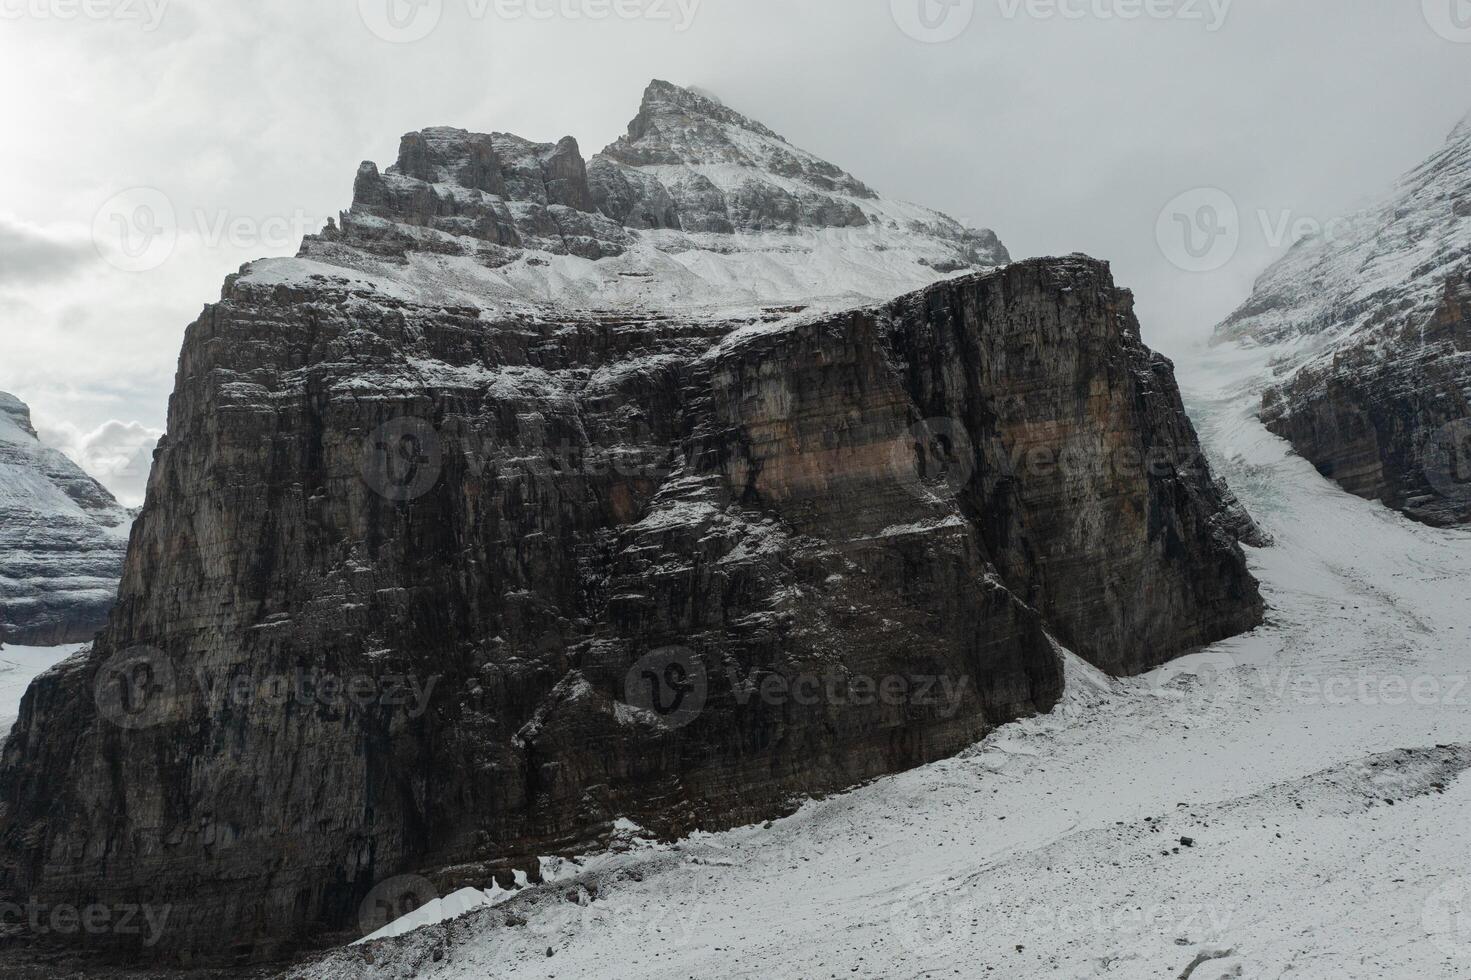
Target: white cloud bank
point(117, 454)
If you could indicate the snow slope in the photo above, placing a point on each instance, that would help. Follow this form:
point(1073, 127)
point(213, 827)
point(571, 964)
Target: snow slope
point(1371, 273)
point(18, 666)
point(697, 210)
point(62, 539)
point(1328, 831)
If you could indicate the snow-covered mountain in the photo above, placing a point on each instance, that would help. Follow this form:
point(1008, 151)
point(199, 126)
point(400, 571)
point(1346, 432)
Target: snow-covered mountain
point(696, 208)
point(531, 432)
point(62, 539)
point(1371, 324)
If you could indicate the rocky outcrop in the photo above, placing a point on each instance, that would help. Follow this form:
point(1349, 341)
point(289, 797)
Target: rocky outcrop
point(1391, 421)
point(515, 516)
point(62, 539)
point(435, 577)
point(697, 207)
point(1369, 322)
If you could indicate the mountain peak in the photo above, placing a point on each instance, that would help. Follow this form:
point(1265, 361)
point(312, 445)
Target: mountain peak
point(696, 205)
point(683, 127)
point(667, 102)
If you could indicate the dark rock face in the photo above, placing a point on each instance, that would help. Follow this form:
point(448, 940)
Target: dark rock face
point(673, 569)
point(1395, 428)
point(527, 497)
point(62, 538)
point(690, 178)
point(1369, 325)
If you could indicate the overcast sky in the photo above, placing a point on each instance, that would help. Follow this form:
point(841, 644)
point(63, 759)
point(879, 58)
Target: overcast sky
point(1065, 125)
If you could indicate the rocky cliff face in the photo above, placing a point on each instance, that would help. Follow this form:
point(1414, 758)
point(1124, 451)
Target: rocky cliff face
point(62, 538)
point(437, 587)
point(697, 208)
point(1372, 324)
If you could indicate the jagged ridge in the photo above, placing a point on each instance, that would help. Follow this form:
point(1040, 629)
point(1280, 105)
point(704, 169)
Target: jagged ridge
point(696, 207)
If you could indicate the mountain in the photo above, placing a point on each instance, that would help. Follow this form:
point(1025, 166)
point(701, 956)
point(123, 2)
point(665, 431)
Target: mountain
point(491, 520)
point(62, 540)
point(696, 208)
point(1371, 327)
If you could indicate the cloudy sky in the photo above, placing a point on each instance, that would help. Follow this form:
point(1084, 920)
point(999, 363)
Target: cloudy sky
point(1066, 125)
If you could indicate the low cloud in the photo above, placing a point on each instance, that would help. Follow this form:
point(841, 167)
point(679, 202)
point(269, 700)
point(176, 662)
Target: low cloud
point(117, 454)
point(30, 254)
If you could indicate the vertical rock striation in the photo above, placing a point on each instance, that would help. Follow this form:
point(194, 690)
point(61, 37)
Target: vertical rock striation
point(434, 581)
point(62, 538)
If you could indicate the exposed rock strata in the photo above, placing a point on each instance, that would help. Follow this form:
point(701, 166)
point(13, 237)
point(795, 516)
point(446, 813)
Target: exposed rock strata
point(773, 501)
point(62, 538)
point(854, 536)
point(1371, 322)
